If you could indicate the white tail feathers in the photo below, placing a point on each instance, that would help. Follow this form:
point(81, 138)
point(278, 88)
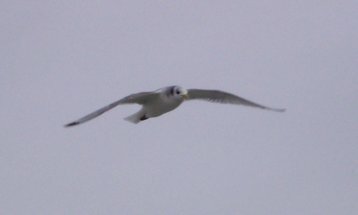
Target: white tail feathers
point(137, 117)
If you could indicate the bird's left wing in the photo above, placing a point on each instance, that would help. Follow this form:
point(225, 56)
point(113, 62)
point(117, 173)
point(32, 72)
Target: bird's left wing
point(138, 98)
point(225, 98)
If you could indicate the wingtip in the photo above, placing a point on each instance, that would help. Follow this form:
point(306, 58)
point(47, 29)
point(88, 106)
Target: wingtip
point(279, 110)
point(71, 124)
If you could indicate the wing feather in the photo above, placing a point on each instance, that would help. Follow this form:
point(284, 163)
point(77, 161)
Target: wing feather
point(225, 98)
point(138, 98)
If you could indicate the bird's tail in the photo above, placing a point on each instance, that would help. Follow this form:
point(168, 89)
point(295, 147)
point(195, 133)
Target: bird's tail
point(137, 117)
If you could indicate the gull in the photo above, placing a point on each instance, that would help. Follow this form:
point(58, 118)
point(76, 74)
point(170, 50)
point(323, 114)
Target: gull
point(166, 99)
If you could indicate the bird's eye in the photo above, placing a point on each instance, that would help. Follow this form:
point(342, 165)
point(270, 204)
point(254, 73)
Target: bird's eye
point(178, 92)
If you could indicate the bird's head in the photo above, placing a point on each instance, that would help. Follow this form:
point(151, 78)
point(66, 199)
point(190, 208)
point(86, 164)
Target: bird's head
point(179, 92)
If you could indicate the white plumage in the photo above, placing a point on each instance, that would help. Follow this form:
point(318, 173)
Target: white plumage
point(167, 99)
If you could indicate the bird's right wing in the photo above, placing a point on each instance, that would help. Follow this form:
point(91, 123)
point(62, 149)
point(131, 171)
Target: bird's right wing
point(225, 98)
point(138, 98)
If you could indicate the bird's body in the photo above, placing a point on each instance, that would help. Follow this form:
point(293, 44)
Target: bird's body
point(163, 104)
point(167, 99)
point(158, 105)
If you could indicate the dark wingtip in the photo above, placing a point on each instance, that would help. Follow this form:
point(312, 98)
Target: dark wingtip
point(71, 124)
point(276, 109)
point(280, 110)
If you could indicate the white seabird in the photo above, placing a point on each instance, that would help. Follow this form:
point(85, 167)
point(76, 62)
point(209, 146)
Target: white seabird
point(167, 99)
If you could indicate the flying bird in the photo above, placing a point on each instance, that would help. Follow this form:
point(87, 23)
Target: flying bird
point(166, 99)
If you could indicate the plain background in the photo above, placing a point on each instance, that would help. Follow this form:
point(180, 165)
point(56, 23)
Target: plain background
point(60, 60)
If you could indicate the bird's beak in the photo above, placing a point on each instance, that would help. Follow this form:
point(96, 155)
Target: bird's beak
point(185, 96)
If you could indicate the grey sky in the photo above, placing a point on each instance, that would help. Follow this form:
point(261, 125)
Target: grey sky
point(60, 60)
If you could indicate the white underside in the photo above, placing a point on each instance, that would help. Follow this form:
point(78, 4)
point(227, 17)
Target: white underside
point(153, 109)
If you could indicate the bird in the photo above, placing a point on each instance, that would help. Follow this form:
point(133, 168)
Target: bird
point(166, 99)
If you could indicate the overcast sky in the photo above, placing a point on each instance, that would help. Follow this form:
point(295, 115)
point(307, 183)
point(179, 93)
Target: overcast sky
point(60, 60)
